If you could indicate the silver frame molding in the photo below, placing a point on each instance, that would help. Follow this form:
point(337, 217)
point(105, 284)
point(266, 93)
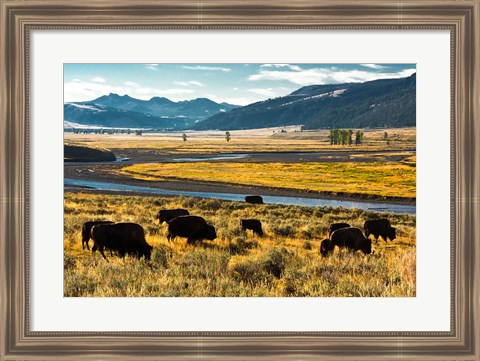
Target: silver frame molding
point(19, 17)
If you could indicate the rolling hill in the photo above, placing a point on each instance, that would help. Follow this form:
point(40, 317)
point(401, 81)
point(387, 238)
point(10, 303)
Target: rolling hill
point(378, 103)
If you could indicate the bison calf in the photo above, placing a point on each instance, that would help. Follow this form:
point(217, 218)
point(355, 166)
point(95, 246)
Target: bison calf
point(352, 238)
point(166, 215)
point(191, 227)
point(253, 224)
point(121, 237)
point(326, 247)
point(335, 226)
point(86, 228)
point(380, 227)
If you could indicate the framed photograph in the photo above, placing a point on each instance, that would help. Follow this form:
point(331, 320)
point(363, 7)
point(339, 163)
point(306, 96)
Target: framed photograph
point(239, 180)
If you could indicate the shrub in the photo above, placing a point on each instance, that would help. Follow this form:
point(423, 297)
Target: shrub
point(234, 249)
point(307, 245)
point(283, 230)
point(161, 254)
point(247, 270)
point(274, 262)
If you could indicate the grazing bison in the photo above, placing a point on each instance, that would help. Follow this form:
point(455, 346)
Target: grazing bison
point(326, 247)
point(86, 228)
point(335, 226)
point(191, 227)
point(351, 238)
point(121, 237)
point(166, 215)
point(253, 224)
point(254, 199)
point(380, 227)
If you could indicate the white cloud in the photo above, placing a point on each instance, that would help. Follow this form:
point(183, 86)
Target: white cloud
point(326, 76)
point(291, 67)
point(208, 68)
point(154, 92)
point(77, 90)
point(189, 83)
point(152, 66)
point(269, 92)
point(374, 66)
point(98, 79)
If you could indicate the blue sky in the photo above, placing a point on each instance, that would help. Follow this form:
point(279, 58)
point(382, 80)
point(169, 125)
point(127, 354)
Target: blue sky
point(239, 84)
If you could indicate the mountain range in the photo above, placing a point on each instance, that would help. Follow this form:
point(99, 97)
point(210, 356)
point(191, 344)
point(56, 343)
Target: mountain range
point(118, 111)
point(377, 103)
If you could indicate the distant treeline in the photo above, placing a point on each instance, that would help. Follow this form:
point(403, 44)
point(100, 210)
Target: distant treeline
point(113, 131)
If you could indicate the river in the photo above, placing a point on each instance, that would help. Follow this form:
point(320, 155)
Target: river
point(298, 201)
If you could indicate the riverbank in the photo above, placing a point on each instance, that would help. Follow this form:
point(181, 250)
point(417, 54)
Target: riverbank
point(110, 173)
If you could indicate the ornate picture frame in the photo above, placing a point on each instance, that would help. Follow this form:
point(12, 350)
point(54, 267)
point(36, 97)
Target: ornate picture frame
point(19, 18)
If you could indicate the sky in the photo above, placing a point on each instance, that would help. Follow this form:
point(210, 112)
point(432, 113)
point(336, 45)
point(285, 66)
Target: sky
point(238, 84)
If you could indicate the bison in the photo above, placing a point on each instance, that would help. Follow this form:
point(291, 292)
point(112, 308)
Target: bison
point(335, 226)
point(121, 237)
point(191, 227)
point(86, 228)
point(254, 199)
point(351, 238)
point(326, 247)
point(380, 227)
point(253, 224)
point(166, 215)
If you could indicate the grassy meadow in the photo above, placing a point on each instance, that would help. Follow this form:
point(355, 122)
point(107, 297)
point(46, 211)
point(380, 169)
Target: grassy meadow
point(244, 141)
point(285, 262)
point(384, 179)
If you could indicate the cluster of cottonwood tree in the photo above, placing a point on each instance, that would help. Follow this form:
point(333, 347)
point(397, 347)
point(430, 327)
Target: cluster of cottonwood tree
point(345, 137)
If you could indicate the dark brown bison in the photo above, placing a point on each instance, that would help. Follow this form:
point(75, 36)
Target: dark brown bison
point(253, 224)
point(86, 228)
point(254, 199)
point(191, 227)
point(124, 238)
point(380, 227)
point(326, 247)
point(165, 215)
point(335, 226)
point(351, 238)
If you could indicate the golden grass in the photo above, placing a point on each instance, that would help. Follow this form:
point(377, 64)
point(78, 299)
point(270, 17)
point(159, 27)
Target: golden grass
point(262, 140)
point(286, 262)
point(379, 179)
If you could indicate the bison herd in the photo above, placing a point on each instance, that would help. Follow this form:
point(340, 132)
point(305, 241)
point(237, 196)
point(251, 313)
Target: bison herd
point(129, 238)
point(344, 236)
